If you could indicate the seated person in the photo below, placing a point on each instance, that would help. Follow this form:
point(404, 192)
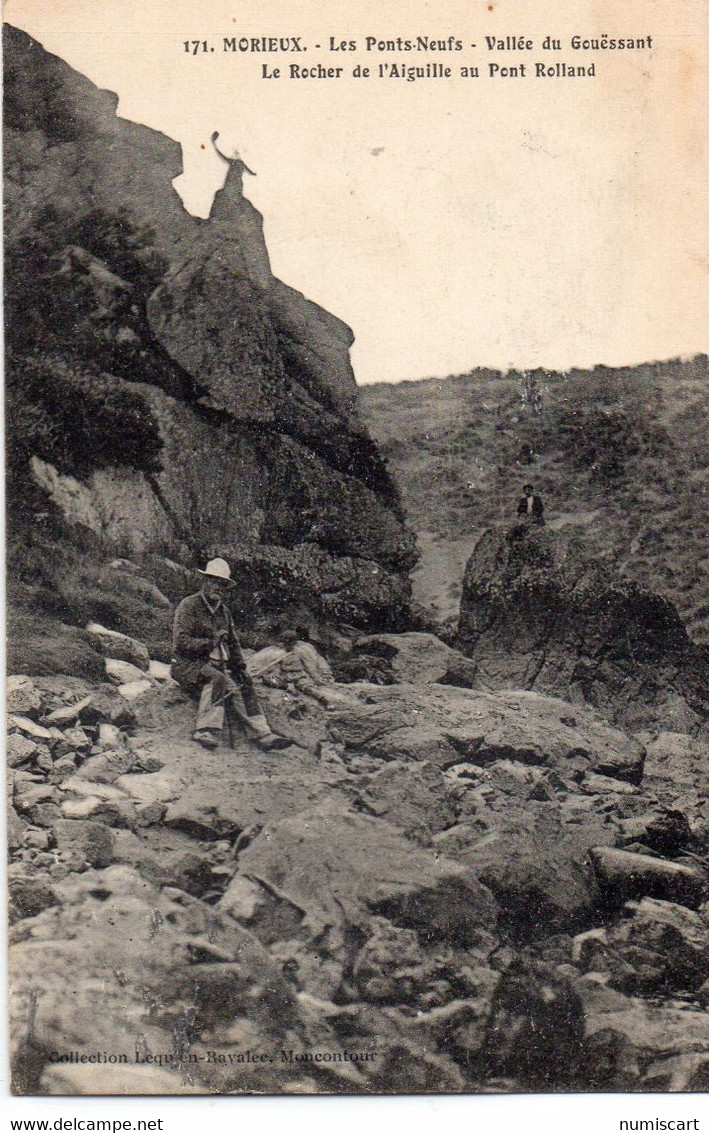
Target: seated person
point(208, 660)
point(530, 506)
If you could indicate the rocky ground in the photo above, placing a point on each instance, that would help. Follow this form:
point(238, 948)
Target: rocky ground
point(434, 889)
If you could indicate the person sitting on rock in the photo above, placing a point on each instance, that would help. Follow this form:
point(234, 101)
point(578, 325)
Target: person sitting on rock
point(530, 506)
point(297, 667)
point(208, 660)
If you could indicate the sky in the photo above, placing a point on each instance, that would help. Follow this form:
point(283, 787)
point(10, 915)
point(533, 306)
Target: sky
point(451, 223)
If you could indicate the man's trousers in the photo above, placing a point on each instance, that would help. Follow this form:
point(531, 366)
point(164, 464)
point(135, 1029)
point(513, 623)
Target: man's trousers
point(221, 694)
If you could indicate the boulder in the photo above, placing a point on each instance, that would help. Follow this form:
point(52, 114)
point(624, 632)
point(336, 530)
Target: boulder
point(119, 957)
point(341, 868)
point(658, 948)
point(15, 828)
point(628, 1039)
point(159, 671)
point(662, 829)
point(29, 728)
point(623, 876)
point(535, 1028)
point(109, 707)
point(133, 690)
point(413, 797)
point(108, 767)
point(119, 646)
point(92, 840)
point(539, 611)
point(29, 895)
point(67, 714)
point(446, 725)
point(22, 696)
point(412, 658)
point(535, 866)
point(20, 749)
point(122, 672)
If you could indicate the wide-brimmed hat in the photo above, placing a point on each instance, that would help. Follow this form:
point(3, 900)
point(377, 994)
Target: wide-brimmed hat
point(217, 568)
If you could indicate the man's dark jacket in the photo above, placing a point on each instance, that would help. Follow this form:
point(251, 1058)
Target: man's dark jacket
point(537, 507)
point(194, 634)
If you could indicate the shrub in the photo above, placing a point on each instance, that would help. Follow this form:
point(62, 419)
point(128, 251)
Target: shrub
point(76, 420)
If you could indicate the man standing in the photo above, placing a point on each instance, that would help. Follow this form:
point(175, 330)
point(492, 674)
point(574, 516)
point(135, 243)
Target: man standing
point(530, 506)
point(208, 659)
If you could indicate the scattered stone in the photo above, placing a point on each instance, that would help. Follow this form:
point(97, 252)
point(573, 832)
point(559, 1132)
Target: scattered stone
point(79, 808)
point(107, 706)
point(190, 871)
point(150, 814)
point(73, 740)
point(109, 736)
point(28, 795)
point(107, 767)
point(29, 895)
point(92, 840)
point(15, 828)
point(148, 764)
point(43, 761)
point(623, 876)
point(64, 766)
point(37, 839)
point(412, 658)
point(119, 645)
point(242, 899)
point(200, 821)
point(20, 749)
point(29, 727)
point(111, 811)
point(133, 690)
point(44, 814)
point(159, 670)
point(67, 714)
point(122, 672)
point(22, 696)
point(666, 831)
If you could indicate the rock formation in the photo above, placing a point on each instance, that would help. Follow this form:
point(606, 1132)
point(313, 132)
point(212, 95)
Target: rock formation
point(168, 393)
point(538, 613)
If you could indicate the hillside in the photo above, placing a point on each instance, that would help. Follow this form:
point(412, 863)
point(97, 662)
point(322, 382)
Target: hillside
point(618, 455)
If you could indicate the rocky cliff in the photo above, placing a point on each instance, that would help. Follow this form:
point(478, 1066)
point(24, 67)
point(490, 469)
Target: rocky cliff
point(166, 393)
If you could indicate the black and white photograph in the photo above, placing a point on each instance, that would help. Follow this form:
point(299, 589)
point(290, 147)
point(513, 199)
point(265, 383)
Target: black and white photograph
point(357, 549)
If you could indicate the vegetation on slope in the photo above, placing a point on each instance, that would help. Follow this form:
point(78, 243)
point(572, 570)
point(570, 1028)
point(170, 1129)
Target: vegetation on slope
point(621, 454)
